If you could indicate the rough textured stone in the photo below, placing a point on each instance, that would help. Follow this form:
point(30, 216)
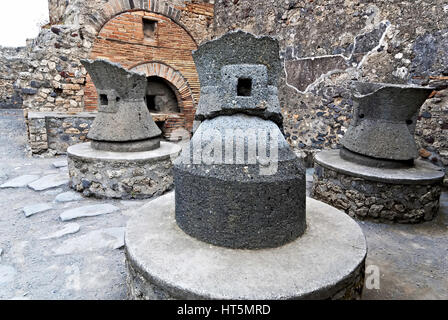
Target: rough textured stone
point(88, 211)
point(251, 192)
point(381, 194)
point(123, 115)
point(384, 120)
point(239, 74)
point(122, 175)
point(236, 205)
point(36, 208)
point(186, 268)
point(49, 182)
point(20, 182)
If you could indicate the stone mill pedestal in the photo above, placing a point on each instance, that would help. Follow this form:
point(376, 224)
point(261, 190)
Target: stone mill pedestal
point(125, 158)
point(239, 225)
point(375, 174)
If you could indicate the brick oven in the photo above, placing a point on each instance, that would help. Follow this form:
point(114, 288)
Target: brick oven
point(148, 36)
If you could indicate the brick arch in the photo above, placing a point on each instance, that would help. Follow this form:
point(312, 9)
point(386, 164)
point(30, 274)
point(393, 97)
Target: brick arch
point(121, 40)
point(116, 7)
point(178, 82)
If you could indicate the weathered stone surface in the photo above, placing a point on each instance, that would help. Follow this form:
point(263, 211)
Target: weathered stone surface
point(88, 211)
point(384, 120)
point(123, 115)
point(386, 195)
point(239, 185)
point(36, 208)
point(20, 182)
point(110, 238)
point(122, 175)
point(421, 172)
point(237, 205)
point(60, 164)
point(49, 182)
point(68, 197)
point(186, 268)
point(69, 228)
point(239, 74)
point(137, 146)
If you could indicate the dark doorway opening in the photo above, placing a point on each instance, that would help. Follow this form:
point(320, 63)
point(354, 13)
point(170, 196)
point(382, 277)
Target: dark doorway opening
point(160, 96)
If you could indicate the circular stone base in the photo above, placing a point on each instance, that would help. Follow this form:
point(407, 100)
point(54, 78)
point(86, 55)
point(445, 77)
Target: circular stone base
point(163, 262)
point(135, 146)
point(398, 195)
point(121, 175)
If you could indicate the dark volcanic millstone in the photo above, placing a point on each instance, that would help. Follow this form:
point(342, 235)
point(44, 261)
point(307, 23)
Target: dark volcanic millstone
point(123, 123)
point(233, 205)
point(239, 185)
point(384, 120)
point(239, 74)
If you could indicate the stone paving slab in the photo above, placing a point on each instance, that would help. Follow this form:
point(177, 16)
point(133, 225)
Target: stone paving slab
point(88, 211)
point(112, 238)
point(49, 182)
point(69, 228)
point(60, 164)
point(20, 182)
point(36, 208)
point(68, 196)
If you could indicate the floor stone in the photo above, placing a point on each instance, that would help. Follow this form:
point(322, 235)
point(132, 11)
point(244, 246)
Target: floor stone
point(110, 238)
point(19, 182)
point(36, 208)
point(69, 228)
point(88, 211)
point(7, 274)
point(68, 197)
point(49, 182)
point(60, 164)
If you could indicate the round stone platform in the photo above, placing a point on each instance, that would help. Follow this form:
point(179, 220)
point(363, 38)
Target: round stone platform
point(163, 262)
point(403, 195)
point(121, 175)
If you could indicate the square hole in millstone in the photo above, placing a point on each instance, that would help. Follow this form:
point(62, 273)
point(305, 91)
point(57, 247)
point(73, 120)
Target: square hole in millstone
point(244, 87)
point(104, 100)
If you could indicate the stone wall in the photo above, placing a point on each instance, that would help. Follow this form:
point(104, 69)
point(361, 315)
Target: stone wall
point(47, 76)
point(325, 44)
point(54, 132)
point(12, 69)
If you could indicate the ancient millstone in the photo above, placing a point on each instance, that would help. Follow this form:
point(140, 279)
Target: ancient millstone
point(239, 78)
point(123, 123)
point(240, 186)
point(384, 121)
point(235, 205)
point(375, 174)
point(126, 158)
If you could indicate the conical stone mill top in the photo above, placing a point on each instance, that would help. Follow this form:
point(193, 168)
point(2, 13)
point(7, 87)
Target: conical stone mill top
point(238, 184)
point(381, 133)
point(123, 123)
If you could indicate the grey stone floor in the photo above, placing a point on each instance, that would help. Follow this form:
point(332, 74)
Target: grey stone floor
point(89, 263)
